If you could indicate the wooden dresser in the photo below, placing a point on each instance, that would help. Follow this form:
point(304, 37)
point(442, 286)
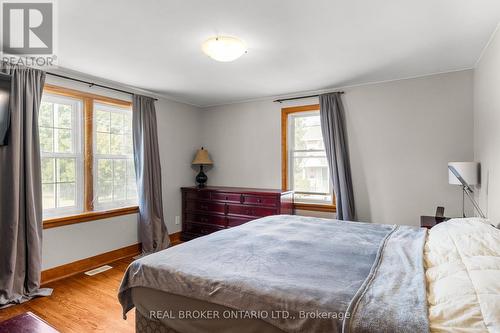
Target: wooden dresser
point(209, 209)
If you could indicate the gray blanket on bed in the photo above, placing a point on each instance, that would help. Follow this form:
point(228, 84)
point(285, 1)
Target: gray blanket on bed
point(299, 274)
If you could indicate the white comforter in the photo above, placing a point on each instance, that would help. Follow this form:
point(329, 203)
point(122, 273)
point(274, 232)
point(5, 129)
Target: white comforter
point(462, 260)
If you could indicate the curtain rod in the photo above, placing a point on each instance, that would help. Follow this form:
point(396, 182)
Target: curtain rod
point(92, 84)
point(301, 97)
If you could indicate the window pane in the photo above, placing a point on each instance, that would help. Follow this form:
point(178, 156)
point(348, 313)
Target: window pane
point(130, 170)
point(104, 170)
point(102, 143)
point(46, 115)
point(66, 195)
point(48, 196)
point(116, 144)
point(131, 190)
point(310, 172)
point(66, 170)
point(119, 179)
point(127, 123)
point(104, 191)
point(307, 133)
point(102, 121)
point(119, 191)
point(48, 170)
point(128, 145)
point(46, 139)
point(64, 144)
point(64, 115)
point(116, 122)
point(120, 171)
point(131, 181)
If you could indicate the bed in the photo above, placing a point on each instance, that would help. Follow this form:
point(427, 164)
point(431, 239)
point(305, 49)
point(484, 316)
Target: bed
point(299, 274)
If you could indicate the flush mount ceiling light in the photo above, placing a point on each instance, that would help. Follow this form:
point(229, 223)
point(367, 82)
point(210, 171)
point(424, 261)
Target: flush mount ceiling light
point(224, 48)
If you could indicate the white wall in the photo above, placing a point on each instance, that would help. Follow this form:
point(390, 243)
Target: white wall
point(70, 243)
point(179, 138)
point(402, 134)
point(487, 126)
point(178, 135)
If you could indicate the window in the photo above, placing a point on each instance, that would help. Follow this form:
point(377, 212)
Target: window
point(305, 167)
point(61, 155)
point(113, 157)
point(86, 156)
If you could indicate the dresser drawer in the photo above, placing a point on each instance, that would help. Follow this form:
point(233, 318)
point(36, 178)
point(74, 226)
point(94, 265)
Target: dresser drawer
point(236, 221)
point(204, 195)
point(206, 219)
point(229, 197)
point(250, 210)
point(200, 229)
point(260, 200)
point(203, 206)
point(214, 208)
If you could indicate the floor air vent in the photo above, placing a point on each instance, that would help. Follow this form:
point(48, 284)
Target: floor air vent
point(98, 270)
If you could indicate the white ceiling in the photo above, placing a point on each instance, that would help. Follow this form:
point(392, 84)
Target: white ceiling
point(294, 45)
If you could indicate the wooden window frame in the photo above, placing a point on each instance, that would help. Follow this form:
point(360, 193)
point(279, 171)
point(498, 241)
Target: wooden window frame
point(285, 112)
point(88, 214)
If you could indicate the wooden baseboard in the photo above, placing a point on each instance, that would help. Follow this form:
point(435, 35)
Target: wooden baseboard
point(83, 265)
point(175, 239)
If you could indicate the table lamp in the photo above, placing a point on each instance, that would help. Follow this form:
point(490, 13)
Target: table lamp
point(465, 174)
point(202, 159)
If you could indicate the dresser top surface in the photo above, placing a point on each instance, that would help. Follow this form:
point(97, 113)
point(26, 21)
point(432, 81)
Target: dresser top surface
point(230, 189)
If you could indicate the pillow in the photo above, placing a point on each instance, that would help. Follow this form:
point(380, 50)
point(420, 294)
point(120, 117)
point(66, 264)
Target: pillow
point(462, 261)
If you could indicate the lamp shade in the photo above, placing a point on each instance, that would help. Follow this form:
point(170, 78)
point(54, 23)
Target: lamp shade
point(202, 157)
point(468, 170)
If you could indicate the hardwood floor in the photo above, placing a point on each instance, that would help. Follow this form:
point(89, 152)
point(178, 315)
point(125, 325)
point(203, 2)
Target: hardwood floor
point(82, 303)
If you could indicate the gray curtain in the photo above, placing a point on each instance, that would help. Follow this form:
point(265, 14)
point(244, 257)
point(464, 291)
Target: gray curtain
point(20, 191)
point(337, 153)
point(152, 228)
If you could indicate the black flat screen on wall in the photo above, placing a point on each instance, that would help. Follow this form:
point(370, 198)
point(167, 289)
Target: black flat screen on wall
point(4, 108)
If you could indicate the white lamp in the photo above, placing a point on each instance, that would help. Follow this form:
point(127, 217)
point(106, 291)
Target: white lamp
point(465, 174)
